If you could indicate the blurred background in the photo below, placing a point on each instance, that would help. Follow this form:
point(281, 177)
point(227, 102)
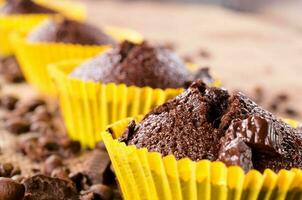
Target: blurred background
point(252, 45)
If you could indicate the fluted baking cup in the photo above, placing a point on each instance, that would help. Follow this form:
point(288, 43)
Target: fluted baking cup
point(88, 107)
point(68, 8)
point(34, 57)
point(148, 175)
point(25, 22)
point(20, 23)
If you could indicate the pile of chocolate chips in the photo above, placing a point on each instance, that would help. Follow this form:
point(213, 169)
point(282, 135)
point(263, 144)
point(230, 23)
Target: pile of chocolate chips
point(10, 70)
point(59, 168)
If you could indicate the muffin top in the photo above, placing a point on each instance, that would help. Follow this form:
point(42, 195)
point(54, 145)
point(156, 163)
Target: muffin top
point(23, 7)
point(62, 30)
point(136, 64)
point(210, 123)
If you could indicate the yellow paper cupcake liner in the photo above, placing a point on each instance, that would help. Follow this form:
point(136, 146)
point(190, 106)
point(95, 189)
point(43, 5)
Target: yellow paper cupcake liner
point(20, 23)
point(68, 8)
point(148, 175)
point(24, 23)
point(88, 107)
point(34, 57)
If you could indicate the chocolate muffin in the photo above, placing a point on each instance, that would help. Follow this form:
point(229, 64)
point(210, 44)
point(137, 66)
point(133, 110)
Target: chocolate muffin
point(62, 30)
point(136, 64)
point(23, 7)
point(210, 123)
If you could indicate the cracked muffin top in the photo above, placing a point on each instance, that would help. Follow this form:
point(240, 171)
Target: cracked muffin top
point(63, 30)
point(210, 123)
point(136, 64)
point(24, 7)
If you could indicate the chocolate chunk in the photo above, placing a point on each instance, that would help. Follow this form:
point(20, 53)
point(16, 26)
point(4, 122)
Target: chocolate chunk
point(8, 101)
point(127, 135)
point(291, 112)
point(40, 187)
point(103, 191)
point(81, 180)
point(236, 152)
point(61, 172)
point(31, 148)
point(23, 7)
point(70, 147)
point(40, 127)
point(18, 178)
point(204, 53)
point(40, 114)
point(51, 163)
point(6, 169)
point(97, 168)
point(62, 30)
point(258, 133)
point(10, 69)
point(90, 196)
point(136, 64)
point(17, 125)
point(30, 104)
point(11, 190)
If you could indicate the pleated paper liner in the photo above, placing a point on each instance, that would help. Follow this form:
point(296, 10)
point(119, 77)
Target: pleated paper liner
point(34, 57)
point(148, 175)
point(24, 23)
point(88, 107)
point(20, 23)
point(68, 8)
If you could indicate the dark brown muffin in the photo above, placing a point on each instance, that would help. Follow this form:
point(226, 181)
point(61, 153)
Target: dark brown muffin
point(62, 30)
point(209, 123)
point(23, 7)
point(136, 64)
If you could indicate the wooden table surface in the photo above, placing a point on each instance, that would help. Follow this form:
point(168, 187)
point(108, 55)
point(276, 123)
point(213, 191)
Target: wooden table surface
point(246, 50)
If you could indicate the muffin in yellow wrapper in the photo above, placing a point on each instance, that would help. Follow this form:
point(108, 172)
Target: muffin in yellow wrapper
point(34, 57)
point(25, 22)
point(148, 175)
point(88, 107)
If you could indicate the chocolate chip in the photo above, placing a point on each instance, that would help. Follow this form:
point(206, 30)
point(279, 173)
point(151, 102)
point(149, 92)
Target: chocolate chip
point(18, 178)
point(49, 144)
point(44, 187)
point(51, 163)
point(31, 104)
point(10, 70)
point(81, 180)
point(291, 112)
point(103, 191)
point(61, 172)
point(40, 114)
point(282, 97)
point(97, 167)
point(8, 101)
point(17, 125)
point(70, 147)
point(6, 169)
point(188, 58)
point(11, 190)
point(40, 127)
point(258, 94)
point(16, 171)
point(203, 53)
